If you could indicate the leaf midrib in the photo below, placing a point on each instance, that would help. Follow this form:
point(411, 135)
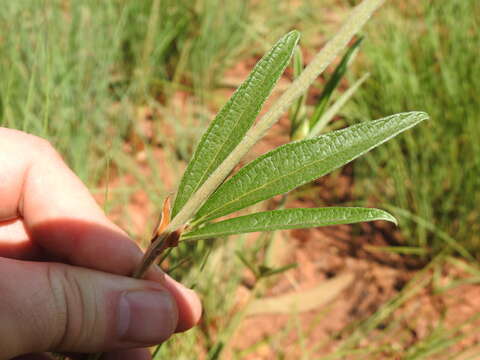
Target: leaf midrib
point(203, 176)
point(277, 179)
point(273, 227)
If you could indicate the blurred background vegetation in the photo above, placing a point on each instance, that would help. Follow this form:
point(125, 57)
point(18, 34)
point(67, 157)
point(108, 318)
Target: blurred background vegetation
point(109, 82)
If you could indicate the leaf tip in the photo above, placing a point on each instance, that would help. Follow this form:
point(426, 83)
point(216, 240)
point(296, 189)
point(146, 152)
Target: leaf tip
point(293, 37)
point(423, 115)
point(294, 34)
point(419, 116)
point(389, 217)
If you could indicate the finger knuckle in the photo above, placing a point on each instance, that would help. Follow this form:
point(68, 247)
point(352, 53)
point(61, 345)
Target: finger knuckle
point(58, 300)
point(42, 146)
point(68, 300)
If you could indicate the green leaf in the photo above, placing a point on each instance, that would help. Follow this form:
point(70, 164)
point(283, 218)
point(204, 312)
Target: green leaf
point(247, 263)
point(334, 81)
point(329, 114)
point(298, 163)
point(405, 250)
point(295, 109)
point(288, 219)
point(235, 118)
point(266, 271)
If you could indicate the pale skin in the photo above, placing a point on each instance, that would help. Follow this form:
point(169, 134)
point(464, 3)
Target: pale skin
point(64, 267)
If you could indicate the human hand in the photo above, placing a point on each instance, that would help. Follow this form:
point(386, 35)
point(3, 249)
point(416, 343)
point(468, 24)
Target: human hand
point(64, 267)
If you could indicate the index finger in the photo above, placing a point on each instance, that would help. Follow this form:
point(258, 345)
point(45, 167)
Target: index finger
point(57, 209)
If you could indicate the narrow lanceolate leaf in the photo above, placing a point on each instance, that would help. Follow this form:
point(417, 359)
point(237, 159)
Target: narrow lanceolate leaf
point(235, 118)
point(298, 163)
point(288, 219)
point(334, 81)
point(336, 106)
point(295, 109)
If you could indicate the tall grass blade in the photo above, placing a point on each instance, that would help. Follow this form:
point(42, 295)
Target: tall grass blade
point(441, 235)
point(235, 118)
point(296, 116)
point(334, 81)
point(335, 108)
point(298, 163)
point(288, 219)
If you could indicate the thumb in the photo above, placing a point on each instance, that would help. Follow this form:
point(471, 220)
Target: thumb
point(57, 307)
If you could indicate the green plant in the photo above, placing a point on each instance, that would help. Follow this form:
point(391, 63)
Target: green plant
point(305, 125)
point(204, 195)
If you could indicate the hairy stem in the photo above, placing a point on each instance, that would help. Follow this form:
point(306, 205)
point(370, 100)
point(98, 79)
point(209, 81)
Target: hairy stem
point(156, 248)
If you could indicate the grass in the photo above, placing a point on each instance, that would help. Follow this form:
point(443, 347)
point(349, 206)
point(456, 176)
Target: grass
point(79, 69)
point(389, 329)
point(423, 55)
point(80, 72)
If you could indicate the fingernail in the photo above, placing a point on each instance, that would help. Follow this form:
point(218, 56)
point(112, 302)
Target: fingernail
point(146, 317)
point(188, 300)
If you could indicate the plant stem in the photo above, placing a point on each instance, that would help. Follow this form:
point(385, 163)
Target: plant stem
point(158, 246)
point(156, 351)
